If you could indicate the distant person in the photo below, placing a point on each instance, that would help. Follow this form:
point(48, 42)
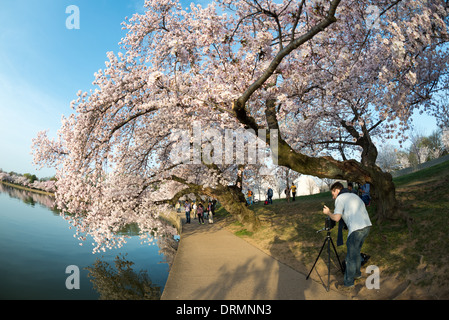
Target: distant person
point(214, 203)
point(270, 196)
point(200, 212)
point(194, 207)
point(209, 209)
point(351, 188)
point(249, 198)
point(293, 188)
point(351, 209)
point(187, 207)
point(206, 212)
point(287, 193)
point(364, 193)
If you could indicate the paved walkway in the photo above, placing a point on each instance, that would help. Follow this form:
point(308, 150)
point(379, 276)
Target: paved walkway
point(213, 264)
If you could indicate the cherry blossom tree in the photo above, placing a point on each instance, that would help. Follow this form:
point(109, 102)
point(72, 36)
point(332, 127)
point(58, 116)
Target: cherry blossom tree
point(5, 177)
point(48, 185)
point(325, 75)
point(354, 82)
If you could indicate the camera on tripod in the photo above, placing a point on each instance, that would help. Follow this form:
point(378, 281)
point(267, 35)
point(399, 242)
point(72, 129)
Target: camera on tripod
point(329, 223)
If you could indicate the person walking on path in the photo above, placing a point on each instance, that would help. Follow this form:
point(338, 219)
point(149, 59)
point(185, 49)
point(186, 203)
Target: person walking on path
point(209, 209)
point(250, 197)
point(187, 208)
point(351, 209)
point(293, 188)
point(200, 212)
point(270, 196)
point(194, 207)
point(287, 193)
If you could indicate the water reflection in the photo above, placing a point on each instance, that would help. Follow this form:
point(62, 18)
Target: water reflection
point(167, 245)
point(122, 282)
point(49, 244)
point(30, 198)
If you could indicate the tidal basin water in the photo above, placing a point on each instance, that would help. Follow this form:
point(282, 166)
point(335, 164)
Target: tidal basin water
point(37, 245)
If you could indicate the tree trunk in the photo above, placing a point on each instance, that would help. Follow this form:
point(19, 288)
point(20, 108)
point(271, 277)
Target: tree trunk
point(383, 194)
point(233, 200)
point(382, 186)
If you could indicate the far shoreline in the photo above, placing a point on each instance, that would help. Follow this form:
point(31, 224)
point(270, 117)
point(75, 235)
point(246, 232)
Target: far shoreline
point(27, 188)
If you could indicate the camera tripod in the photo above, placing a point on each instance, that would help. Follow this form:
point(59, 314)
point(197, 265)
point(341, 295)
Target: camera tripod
point(329, 241)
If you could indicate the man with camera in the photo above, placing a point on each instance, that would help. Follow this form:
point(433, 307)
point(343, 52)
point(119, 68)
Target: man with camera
point(351, 209)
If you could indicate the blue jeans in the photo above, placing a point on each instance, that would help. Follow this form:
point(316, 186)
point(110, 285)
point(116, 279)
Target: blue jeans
point(187, 216)
point(353, 259)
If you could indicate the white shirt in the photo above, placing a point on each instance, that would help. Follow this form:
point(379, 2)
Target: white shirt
point(353, 211)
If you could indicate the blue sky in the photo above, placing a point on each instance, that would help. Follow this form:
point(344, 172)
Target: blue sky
point(43, 64)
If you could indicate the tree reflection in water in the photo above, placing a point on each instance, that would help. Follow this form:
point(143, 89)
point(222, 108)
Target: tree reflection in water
point(30, 198)
point(122, 282)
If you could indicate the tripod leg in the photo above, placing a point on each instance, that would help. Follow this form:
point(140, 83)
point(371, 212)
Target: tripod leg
point(338, 258)
point(329, 262)
point(322, 247)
